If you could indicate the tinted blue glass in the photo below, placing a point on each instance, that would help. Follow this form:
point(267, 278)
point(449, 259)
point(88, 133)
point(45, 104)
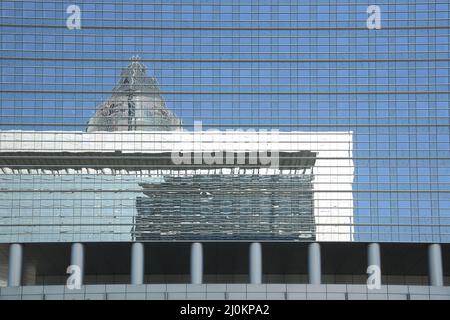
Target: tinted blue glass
point(290, 65)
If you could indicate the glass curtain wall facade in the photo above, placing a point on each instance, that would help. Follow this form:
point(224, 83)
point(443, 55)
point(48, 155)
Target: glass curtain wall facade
point(291, 66)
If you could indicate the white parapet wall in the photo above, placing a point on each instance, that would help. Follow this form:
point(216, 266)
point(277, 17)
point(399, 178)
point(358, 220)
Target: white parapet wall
point(333, 170)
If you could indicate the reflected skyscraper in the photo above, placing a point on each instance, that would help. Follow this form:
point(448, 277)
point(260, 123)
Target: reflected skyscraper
point(136, 104)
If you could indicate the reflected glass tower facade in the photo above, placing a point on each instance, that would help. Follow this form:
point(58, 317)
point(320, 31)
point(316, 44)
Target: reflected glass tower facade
point(227, 207)
point(272, 126)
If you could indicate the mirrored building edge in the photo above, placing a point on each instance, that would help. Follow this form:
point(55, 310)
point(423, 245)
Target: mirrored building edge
point(255, 186)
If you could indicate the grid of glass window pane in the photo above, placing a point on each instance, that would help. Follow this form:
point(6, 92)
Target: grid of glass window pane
point(289, 65)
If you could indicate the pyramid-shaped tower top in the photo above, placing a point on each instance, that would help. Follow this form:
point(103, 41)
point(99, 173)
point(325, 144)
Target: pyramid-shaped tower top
point(135, 104)
point(134, 78)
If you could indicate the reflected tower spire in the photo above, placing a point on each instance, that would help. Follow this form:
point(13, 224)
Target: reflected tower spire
point(136, 104)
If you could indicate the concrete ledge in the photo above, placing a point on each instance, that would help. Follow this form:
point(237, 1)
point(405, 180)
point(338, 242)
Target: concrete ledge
point(397, 289)
point(11, 291)
point(276, 296)
point(316, 295)
point(135, 296)
point(196, 295)
point(33, 290)
point(156, 296)
point(357, 296)
point(316, 288)
point(177, 296)
point(336, 288)
point(53, 290)
point(419, 297)
point(256, 288)
point(11, 297)
point(296, 296)
point(440, 290)
point(115, 296)
point(397, 296)
point(296, 287)
point(176, 287)
point(439, 297)
point(116, 288)
point(236, 287)
point(156, 288)
point(95, 288)
point(377, 296)
point(356, 288)
point(222, 291)
point(75, 291)
point(53, 296)
point(272, 287)
point(383, 289)
point(74, 296)
point(419, 290)
point(95, 296)
point(33, 297)
point(216, 287)
point(336, 296)
point(236, 296)
point(196, 288)
point(256, 295)
point(215, 295)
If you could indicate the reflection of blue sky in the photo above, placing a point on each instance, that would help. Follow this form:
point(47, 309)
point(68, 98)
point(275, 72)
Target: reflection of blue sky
point(238, 65)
